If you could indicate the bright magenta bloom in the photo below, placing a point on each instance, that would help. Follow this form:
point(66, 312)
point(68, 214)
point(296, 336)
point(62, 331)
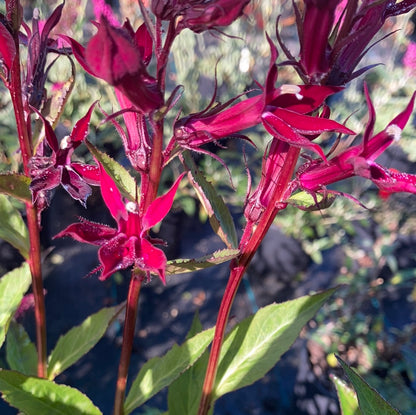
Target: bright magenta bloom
point(129, 244)
point(48, 171)
point(199, 15)
point(120, 56)
point(331, 44)
point(359, 160)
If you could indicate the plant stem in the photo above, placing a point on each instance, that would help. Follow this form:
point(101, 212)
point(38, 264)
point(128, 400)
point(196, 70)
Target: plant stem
point(34, 260)
point(128, 337)
point(238, 268)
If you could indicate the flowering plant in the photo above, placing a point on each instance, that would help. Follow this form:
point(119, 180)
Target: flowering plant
point(158, 139)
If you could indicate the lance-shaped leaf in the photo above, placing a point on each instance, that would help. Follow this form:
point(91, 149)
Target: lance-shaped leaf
point(12, 227)
point(125, 183)
point(180, 266)
point(21, 353)
point(16, 185)
point(218, 213)
point(13, 286)
point(189, 385)
point(369, 400)
point(256, 344)
point(80, 340)
point(160, 372)
point(347, 397)
point(40, 396)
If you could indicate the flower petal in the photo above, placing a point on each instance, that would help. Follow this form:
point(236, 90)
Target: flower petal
point(152, 259)
point(160, 207)
point(76, 186)
point(88, 232)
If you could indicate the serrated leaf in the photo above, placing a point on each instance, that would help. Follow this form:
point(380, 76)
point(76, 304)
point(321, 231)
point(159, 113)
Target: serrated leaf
point(80, 340)
point(16, 185)
point(41, 396)
point(179, 266)
point(256, 344)
point(21, 353)
point(347, 397)
point(310, 202)
point(12, 227)
point(13, 286)
point(122, 178)
point(218, 213)
point(160, 372)
point(369, 400)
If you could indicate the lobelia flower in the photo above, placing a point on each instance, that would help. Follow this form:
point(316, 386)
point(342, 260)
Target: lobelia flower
point(129, 245)
point(49, 171)
point(119, 56)
point(7, 50)
point(359, 160)
point(199, 15)
point(332, 44)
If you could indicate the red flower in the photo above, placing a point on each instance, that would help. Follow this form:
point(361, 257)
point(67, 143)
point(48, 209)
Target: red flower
point(359, 160)
point(129, 244)
point(48, 171)
point(120, 56)
point(331, 46)
point(199, 15)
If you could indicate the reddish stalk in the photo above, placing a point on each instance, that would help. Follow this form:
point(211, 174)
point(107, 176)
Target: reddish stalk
point(128, 337)
point(34, 260)
point(238, 268)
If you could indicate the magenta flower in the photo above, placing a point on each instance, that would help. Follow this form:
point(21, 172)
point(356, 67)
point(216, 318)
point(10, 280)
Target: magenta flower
point(120, 56)
point(48, 171)
point(199, 15)
point(128, 245)
point(333, 44)
point(359, 160)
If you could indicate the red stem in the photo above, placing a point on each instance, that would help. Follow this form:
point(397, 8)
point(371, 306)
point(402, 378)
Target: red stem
point(128, 337)
point(24, 134)
point(237, 271)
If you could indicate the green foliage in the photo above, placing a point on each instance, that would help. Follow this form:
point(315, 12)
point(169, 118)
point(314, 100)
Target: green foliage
point(370, 402)
point(13, 286)
point(41, 396)
point(81, 339)
point(16, 185)
point(12, 227)
point(160, 372)
point(21, 353)
point(218, 213)
point(179, 266)
point(347, 397)
point(256, 344)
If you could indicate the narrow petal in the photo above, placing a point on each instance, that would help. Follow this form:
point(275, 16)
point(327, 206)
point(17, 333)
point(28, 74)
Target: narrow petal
point(80, 130)
point(112, 196)
point(160, 207)
point(7, 46)
point(79, 52)
point(283, 131)
point(52, 21)
point(88, 232)
point(89, 172)
point(46, 180)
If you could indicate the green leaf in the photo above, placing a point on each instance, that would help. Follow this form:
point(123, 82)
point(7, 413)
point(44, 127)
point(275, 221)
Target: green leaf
point(347, 397)
point(80, 340)
point(218, 213)
point(369, 400)
point(13, 286)
point(310, 202)
point(21, 353)
point(12, 227)
point(189, 385)
point(41, 396)
point(160, 372)
point(179, 266)
point(16, 185)
point(255, 345)
point(122, 178)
